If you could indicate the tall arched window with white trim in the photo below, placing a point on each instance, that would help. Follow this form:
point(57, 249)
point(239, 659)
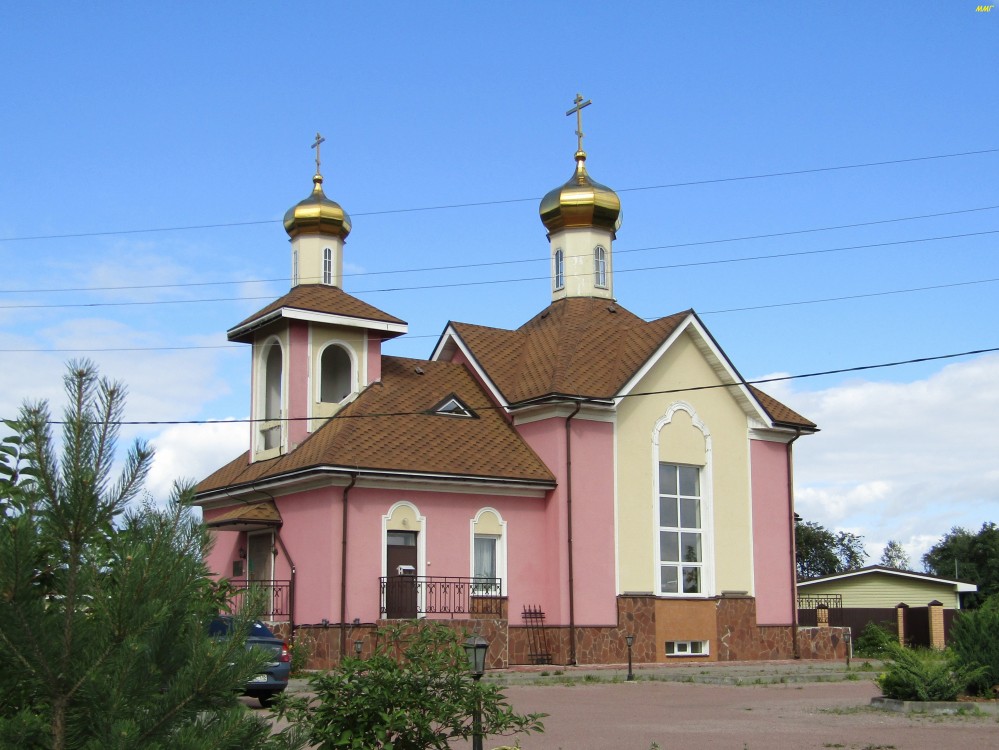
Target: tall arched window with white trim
point(335, 375)
point(294, 267)
point(327, 266)
point(558, 269)
point(600, 266)
point(683, 504)
point(270, 429)
point(488, 563)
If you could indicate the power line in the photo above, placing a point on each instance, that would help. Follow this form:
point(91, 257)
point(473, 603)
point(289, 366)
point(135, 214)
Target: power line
point(456, 284)
point(475, 204)
point(483, 264)
point(667, 391)
point(843, 298)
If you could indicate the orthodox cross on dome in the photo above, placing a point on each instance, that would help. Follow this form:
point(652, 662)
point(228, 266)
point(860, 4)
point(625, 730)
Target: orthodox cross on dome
point(315, 145)
point(578, 110)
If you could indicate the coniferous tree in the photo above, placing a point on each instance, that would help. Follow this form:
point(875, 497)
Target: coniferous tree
point(103, 605)
point(894, 556)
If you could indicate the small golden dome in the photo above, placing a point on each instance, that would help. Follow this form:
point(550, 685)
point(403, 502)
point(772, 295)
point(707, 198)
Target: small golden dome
point(581, 202)
point(317, 214)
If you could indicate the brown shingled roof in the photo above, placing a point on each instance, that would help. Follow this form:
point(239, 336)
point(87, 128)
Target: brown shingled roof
point(391, 427)
point(580, 346)
point(779, 412)
point(322, 298)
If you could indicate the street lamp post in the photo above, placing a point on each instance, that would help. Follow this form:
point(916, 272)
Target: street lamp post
point(630, 640)
point(475, 649)
point(358, 645)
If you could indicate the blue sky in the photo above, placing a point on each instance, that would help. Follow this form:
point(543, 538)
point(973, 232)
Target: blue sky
point(121, 118)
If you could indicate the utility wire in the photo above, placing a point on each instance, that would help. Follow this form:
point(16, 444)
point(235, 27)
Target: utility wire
point(456, 284)
point(238, 347)
point(426, 269)
point(691, 183)
point(486, 407)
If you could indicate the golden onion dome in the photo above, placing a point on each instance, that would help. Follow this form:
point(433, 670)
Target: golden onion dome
point(317, 214)
point(581, 202)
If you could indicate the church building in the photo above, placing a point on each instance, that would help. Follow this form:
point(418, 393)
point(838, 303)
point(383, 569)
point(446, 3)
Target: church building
point(556, 488)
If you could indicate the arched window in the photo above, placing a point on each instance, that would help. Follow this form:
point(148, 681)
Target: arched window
point(270, 431)
point(600, 266)
point(327, 266)
point(683, 504)
point(488, 563)
point(558, 272)
point(294, 267)
point(336, 379)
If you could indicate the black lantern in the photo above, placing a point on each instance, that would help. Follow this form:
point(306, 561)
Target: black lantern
point(358, 645)
point(475, 649)
point(630, 640)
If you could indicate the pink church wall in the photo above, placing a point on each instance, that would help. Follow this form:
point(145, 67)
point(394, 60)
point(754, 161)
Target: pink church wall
point(298, 381)
point(772, 553)
point(225, 547)
point(311, 533)
point(592, 517)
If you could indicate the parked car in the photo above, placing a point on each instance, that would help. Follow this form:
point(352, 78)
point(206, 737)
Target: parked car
point(274, 678)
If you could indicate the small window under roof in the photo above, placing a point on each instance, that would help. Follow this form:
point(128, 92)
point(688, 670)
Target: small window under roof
point(453, 406)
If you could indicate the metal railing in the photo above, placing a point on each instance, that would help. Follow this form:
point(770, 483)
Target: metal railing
point(407, 596)
point(811, 601)
point(274, 595)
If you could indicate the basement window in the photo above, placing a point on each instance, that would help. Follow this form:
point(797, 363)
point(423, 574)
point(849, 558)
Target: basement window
point(687, 648)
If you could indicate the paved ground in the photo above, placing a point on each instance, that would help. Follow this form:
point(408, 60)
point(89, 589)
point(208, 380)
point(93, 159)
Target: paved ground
point(741, 706)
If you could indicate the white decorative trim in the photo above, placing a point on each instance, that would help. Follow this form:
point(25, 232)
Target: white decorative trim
point(501, 547)
point(707, 504)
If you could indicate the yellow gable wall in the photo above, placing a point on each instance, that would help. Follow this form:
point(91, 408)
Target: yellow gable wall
point(683, 365)
point(884, 590)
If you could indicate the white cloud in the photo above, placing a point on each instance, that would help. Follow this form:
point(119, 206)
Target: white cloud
point(903, 461)
point(193, 451)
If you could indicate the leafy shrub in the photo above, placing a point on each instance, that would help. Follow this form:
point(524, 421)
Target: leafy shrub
point(414, 692)
point(975, 642)
point(924, 675)
point(874, 641)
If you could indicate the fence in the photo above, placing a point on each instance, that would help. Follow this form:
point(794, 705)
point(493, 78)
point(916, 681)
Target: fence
point(406, 596)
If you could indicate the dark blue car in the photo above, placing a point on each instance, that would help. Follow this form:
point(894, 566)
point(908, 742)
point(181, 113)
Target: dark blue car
point(273, 678)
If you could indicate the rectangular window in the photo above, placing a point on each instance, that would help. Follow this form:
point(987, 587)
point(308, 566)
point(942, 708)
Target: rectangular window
point(327, 266)
point(687, 648)
point(681, 555)
point(484, 566)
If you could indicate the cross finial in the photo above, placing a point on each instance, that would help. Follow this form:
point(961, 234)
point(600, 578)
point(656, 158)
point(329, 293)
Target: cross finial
point(578, 110)
point(315, 145)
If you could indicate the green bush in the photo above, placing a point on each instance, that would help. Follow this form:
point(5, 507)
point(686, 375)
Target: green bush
point(975, 642)
point(924, 675)
point(874, 641)
point(414, 692)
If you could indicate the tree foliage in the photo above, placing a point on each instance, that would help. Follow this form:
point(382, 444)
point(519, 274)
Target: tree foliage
point(821, 552)
point(974, 639)
point(970, 557)
point(894, 556)
point(414, 693)
point(104, 606)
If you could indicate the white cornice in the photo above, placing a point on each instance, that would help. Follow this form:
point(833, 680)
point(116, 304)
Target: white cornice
point(293, 313)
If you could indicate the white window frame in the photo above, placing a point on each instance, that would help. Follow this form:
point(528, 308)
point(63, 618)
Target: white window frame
point(600, 266)
point(327, 266)
point(660, 454)
point(558, 270)
point(684, 649)
point(351, 358)
point(501, 547)
point(268, 421)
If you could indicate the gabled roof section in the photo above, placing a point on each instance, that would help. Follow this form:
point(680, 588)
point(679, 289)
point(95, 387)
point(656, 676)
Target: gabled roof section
point(391, 429)
point(324, 303)
point(960, 586)
point(248, 518)
point(585, 347)
point(580, 346)
point(781, 414)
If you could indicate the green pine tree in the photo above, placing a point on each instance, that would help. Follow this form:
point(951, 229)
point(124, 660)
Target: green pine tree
point(104, 603)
